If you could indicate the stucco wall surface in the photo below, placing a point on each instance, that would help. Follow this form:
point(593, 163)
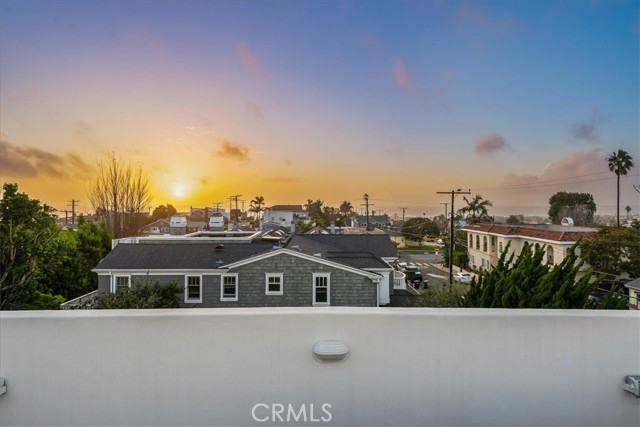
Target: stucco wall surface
point(239, 367)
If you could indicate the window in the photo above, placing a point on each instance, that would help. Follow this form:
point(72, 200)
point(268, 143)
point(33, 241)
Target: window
point(470, 241)
point(229, 287)
point(193, 289)
point(321, 289)
point(121, 282)
point(477, 242)
point(484, 244)
point(550, 260)
point(273, 283)
point(493, 243)
point(500, 247)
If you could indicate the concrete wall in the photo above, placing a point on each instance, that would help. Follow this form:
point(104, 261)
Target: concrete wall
point(406, 367)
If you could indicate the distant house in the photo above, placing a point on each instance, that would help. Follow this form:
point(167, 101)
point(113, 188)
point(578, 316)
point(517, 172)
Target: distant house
point(397, 237)
point(160, 226)
point(283, 216)
point(249, 271)
point(375, 221)
point(634, 294)
point(486, 242)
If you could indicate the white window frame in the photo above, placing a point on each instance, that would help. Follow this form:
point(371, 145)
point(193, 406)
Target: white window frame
point(224, 298)
point(268, 276)
point(186, 288)
point(114, 282)
point(315, 287)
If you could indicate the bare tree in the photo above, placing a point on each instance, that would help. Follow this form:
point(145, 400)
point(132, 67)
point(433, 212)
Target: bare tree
point(121, 195)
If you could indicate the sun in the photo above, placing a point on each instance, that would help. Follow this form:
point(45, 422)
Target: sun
point(179, 191)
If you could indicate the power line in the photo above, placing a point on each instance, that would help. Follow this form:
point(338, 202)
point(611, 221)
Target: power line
point(549, 183)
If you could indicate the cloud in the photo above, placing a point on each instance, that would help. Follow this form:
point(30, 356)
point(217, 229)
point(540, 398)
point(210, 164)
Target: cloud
point(83, 131)
point(254, 109)
point(232, 150)
point(282, 180)
point(147, 41)
point(405, 82)
point(470, 15)
point(589, 130)
point(22, 161)
point(514, 179)
point(393, 151)
point(204, 181)
point(577, 163)
point(491, 144)
point(250, 60)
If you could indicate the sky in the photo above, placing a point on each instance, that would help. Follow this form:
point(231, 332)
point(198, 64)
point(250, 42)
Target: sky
point(329, 100)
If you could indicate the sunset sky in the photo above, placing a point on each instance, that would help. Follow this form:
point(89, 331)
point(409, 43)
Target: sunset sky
point(297, 100)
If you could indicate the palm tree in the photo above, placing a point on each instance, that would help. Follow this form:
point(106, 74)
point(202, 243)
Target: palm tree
point(345, 211)
point(256, 205)
point(619, 163)
point(476, 209)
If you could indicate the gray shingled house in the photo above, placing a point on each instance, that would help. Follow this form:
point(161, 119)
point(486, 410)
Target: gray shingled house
point(318, 270)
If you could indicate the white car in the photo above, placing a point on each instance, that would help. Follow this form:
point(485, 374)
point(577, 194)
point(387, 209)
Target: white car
point(462, 277)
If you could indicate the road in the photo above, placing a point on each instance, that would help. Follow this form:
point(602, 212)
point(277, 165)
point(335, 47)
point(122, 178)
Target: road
point(438, 277)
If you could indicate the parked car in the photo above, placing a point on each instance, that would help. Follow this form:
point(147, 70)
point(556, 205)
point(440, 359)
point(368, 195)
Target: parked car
point(462, 277)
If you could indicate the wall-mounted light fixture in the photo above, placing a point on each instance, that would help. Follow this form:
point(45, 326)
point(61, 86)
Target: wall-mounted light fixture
point(3, 387)
point(330, 350)
point(632, 384)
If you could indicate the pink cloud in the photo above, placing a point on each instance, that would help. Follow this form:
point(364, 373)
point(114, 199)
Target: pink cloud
point(469, 15)
point(405, 82)
point(250, 60)
point(490, 144)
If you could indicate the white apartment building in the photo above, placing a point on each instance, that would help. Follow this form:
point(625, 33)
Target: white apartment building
point(486, 242)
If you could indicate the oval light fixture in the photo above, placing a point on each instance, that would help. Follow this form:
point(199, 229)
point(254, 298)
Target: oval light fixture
point(330, 350)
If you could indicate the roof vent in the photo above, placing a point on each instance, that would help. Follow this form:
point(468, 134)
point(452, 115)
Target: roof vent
point(567, 222)
point(219, 247)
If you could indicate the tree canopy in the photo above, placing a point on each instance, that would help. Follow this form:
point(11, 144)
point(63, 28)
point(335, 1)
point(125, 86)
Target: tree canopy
point(163, 211)
point(578, 206)
point(477, 209)
point(528, 283)
point(40, 264)
point(120, 194)
point(417, 228)
point(614, 251)
point(28, 234)
point(141, 294)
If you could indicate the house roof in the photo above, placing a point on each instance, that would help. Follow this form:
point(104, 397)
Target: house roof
point(287, 208)
point(308, 257)
point(543, 231)
point(360, 250)
point(635, 284)
point(169, 256)
point(373, 218)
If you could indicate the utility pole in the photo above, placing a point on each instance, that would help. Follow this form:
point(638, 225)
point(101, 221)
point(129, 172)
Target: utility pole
point(366, 204)
point(451, 238)
point(445, 209)
point(234, 198)
point(403, 209)
point(217, 204)
point(73, 210)
point(66, 217)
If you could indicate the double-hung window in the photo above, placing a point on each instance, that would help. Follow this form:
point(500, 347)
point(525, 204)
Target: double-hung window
point(321, 286)
point(229, 287)
point(121, 282)
point(274, 283)
point(193, 289)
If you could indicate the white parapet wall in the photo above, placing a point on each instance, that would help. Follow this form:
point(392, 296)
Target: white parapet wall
point(255, 367)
